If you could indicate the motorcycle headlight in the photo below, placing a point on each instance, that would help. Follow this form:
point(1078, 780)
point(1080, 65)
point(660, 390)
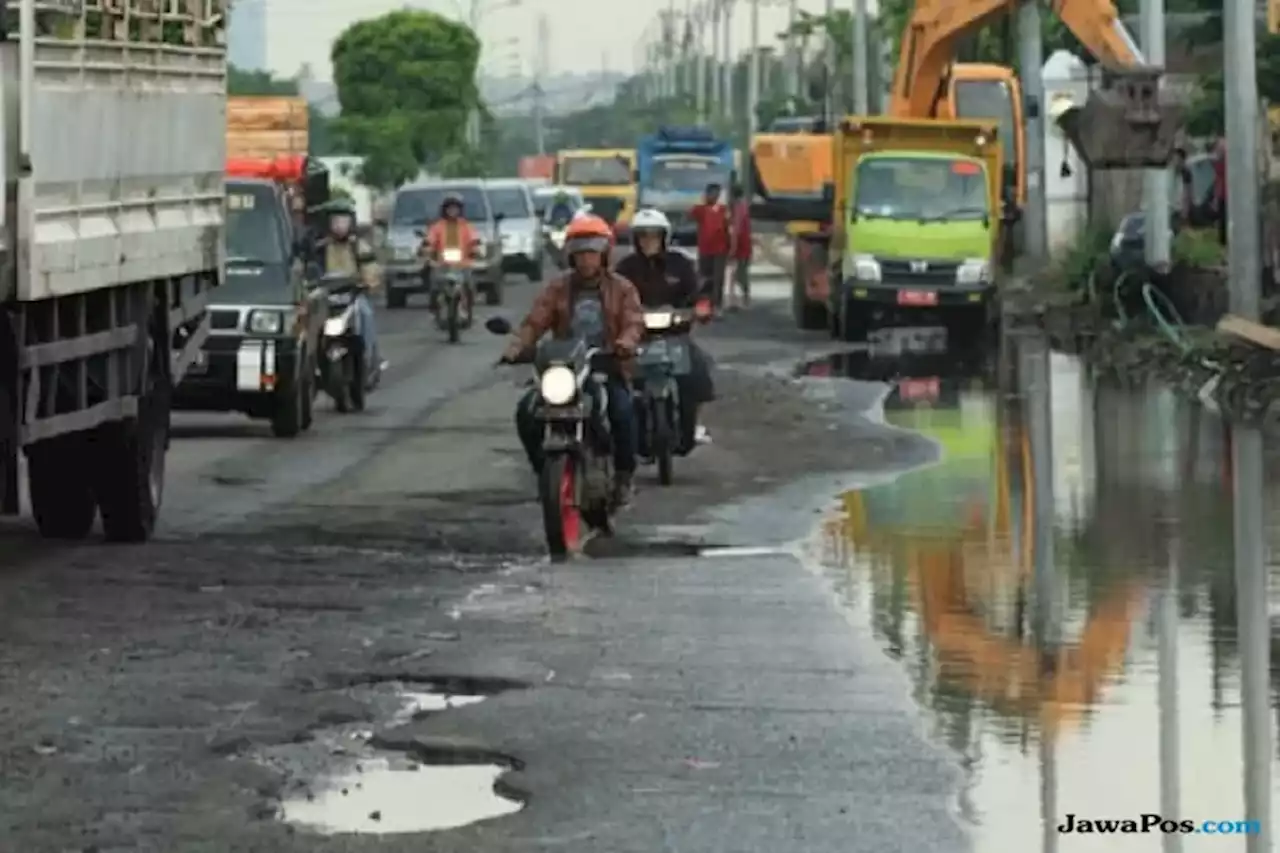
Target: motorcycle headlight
point(335, 326)
point(557, 239)
point(973, 271)
point(451, 256)
point(866, 268)
point(657, 320)
point(266, 322)
point(558, 385)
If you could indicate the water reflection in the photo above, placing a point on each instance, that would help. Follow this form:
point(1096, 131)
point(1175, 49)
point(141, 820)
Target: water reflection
point(1106, 684)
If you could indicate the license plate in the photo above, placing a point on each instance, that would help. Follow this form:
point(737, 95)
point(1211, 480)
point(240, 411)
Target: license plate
point(917, 297)
point(920, 389)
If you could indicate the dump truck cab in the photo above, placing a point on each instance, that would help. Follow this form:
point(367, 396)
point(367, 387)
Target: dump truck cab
point(674, 167)
point(605, 177)
point(916, 216)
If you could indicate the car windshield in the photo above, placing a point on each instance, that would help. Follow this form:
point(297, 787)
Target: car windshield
point(687, 174)
point(596, 171)
point(416, 206)
point(510, 202)
point(928, 189)
point(253, 227)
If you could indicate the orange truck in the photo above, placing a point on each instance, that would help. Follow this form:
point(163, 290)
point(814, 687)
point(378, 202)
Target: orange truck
point(264, 127)
point(537, 166)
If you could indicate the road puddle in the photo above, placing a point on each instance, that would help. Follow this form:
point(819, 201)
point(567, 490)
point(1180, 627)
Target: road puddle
point(1069, 618)
point(387, 796)
point(416, 703)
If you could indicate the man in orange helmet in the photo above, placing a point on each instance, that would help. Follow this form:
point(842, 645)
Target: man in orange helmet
point(592, 303)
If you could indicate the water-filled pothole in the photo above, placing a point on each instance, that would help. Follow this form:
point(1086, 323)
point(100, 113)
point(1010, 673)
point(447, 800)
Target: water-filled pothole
point(389, 795)
point(417, 703)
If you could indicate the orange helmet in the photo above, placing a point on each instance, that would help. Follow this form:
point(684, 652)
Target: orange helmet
point(588, 234)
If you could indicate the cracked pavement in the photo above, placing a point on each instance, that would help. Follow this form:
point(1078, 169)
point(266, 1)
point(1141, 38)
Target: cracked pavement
point(644, 698)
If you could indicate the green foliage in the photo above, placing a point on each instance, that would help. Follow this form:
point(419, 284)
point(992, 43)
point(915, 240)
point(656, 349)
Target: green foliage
point(1072, 269)
point(406, 83)
point(242, 82)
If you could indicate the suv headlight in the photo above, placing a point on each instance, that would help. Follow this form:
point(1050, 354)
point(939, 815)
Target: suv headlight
point(973, 271)
point(558, 385)
point(866, 268)
point(266, 322)
point(405, 253)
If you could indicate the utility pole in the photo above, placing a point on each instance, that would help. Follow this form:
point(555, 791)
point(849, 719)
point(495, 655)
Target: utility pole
point(1031, 61)
point(671, 47)
point(1243, 204)
point(829, 66)
point(1155, 182)
point(861, 83)
point(540, 69)
point(727, 69)
point(699, 64)
point(793, 52)
point(716, 101)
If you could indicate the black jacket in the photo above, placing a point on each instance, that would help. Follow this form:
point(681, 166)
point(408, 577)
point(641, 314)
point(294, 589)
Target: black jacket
point(667, 279)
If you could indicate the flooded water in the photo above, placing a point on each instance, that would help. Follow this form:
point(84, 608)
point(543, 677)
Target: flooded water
point(396, 796)
point(1066, 610)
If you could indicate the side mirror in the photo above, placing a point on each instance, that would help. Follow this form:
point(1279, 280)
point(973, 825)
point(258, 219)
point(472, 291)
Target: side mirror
point(498, 325)
point(418, 232)
point(380, 221)
point(498, 217)
point(828, 193)
point(635, 176)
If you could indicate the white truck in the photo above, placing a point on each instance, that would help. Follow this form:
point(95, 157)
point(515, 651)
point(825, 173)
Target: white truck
point(111, 239)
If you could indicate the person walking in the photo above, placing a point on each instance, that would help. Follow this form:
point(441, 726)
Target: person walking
point(740, 251)
point(714, 238)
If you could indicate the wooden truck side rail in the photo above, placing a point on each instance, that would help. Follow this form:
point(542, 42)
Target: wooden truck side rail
point(113, 154)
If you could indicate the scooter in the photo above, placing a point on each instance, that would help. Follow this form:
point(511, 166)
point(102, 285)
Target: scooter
point(576, 484)
point(348, 370)
point(453, 295)
point(661, 361)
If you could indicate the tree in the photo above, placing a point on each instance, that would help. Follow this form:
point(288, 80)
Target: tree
point(406, 84)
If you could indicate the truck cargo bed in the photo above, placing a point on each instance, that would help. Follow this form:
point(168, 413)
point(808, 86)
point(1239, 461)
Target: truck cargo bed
point(123, 131)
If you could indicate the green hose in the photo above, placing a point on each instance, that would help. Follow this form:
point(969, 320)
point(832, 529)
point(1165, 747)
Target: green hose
point(1161, 310)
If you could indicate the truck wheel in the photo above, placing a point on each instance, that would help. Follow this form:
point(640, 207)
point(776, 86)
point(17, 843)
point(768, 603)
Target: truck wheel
point(808, 315)
point(289, 407)
point(396, 298)
point(535, 270)
point(62, 500)
point(308, 391)
point(129, 461)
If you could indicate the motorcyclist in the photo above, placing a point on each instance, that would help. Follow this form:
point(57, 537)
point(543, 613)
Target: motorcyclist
point(450, 231)
point(339, 250)
point(592, 303)
point(665, 276)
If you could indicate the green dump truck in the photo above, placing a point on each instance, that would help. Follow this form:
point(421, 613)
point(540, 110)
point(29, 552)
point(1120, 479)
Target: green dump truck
point(915, 228)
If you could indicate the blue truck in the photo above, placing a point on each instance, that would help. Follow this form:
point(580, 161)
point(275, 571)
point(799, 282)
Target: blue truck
point(673, 168)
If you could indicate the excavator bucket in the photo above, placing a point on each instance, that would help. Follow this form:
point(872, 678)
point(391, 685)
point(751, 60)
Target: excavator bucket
point(1125, 124)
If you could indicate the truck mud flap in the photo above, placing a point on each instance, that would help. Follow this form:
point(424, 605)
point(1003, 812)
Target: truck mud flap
point(1124, 124)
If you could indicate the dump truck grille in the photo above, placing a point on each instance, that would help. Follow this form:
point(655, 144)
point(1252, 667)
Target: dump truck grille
point(922, 272)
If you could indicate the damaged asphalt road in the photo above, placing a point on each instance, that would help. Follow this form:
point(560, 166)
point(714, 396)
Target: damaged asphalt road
point(367, 637)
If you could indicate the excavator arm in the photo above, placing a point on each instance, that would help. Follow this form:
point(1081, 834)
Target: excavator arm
point(1124, 125)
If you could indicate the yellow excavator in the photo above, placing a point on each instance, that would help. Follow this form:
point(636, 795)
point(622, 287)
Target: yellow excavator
point(1122, 126)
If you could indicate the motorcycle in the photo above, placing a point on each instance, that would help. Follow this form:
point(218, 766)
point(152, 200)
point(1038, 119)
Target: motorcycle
point(576, 484)
point(454, 299)
point(661, 361)
point(347, 370)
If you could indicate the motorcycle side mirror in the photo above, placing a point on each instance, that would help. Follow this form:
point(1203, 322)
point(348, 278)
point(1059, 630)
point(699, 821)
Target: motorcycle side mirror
point(498, 217)
point(418, 232)
point(498, 325)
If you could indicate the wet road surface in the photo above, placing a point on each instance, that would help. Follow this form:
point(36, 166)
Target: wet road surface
point(340, 650)
point(1124, 698)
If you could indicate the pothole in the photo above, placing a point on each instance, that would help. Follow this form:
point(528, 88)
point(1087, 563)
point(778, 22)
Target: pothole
point(347, 778)
point(390, 794)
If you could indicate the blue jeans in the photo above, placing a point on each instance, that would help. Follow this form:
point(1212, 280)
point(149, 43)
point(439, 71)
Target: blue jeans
point(622, 424)
point(368, 331)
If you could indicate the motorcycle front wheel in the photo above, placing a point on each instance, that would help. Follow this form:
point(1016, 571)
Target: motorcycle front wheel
point(663, 439)
point(561, 518)
point(454, 321)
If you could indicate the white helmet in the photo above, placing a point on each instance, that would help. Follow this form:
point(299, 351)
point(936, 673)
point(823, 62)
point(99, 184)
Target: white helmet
point(652, 220)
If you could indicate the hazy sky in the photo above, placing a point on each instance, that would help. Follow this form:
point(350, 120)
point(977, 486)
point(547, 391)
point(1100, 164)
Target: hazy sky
point(584, 34)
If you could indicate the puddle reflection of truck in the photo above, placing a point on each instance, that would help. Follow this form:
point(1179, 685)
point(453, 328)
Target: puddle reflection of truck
point(673, 168)
point(913, 219)
point(112, 241)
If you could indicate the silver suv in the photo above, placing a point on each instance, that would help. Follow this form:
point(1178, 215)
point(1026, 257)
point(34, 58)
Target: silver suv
point(522, 242)
point(415, 207)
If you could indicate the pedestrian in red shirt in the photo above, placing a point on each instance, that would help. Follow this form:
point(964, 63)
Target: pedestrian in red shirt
point(714, 238)
point(740, 231)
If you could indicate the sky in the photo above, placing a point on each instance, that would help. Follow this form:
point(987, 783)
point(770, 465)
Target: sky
point(585, 35)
